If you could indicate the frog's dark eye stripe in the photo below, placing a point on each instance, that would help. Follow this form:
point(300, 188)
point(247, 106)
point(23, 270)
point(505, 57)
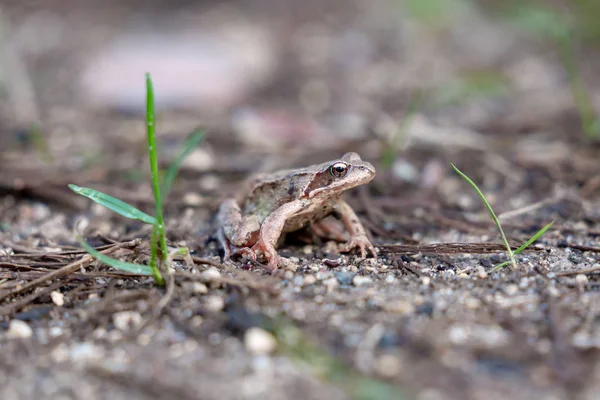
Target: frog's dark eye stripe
point(339, 169)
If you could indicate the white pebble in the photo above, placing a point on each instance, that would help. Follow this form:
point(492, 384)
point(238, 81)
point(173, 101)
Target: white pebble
point(360, 280)
point(511, 290)
point(18, 329)
point(127, 320)
point(259, 342)
point(309, 279)
point(211, 274)
point(581, 279)
point(214, 303)
point(199, 288)
point(57, 298)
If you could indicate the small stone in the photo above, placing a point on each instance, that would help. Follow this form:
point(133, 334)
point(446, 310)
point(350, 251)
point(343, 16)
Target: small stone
point(127, 320)
point(192, 199)
point(214, 303)
point(259, 342)
point(472, 303)
point(448, 274)
point(511, 290)
point(399, 307)
point(211, 274)
point(309, 279)
point(331, 284)
point(57, 298)
point(581, 279)
point(458, 335)
point(308, 249)
point(199, 288)
point(86, 352)
point(323, 275)
point(289, 275)
point(298, 280)
point(55, 331)
point(481, 273)
point(425, 280)
point(553, 291)
point(360, 280)
point(345, 278)
point(18, 329)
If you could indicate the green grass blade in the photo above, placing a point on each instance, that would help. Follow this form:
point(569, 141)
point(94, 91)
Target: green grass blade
point(189, 145)
point(114, 204)
point(492, 213)
point(525, 245)
point(158, 233)
point(117, 264)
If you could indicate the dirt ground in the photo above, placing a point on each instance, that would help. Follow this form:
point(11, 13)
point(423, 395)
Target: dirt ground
point(283, 85)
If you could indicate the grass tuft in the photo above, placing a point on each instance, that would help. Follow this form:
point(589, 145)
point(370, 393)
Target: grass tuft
point(159, 255)
point(511, 254)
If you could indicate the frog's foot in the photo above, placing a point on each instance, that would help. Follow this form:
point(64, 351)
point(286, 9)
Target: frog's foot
point(362, 243)
point(245, 252)
point(268, 252)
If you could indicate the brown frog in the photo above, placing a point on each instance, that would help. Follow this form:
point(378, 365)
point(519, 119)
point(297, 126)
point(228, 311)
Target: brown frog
point(289, 200)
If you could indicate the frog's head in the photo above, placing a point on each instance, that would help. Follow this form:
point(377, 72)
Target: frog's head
point(340, 175)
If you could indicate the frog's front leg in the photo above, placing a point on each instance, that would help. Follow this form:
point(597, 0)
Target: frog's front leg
point(271, 229)
point(236, 230)
point(358, 235)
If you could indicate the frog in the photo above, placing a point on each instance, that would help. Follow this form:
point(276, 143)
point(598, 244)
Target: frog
point(271, 205)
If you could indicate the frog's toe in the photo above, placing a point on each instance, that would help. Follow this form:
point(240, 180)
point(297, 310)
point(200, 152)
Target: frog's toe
point(245, 252)
point(362, 243)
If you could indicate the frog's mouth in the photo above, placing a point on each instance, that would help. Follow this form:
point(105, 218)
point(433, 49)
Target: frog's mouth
point(324, 182)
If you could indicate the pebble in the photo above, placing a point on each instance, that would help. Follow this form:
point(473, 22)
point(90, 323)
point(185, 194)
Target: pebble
point(331, 284)
point(345, 278)
point(481, 273)
point(298, 280)
point(309, 279)
point(581, 279)
point(322, 275)
point(55, 331)
point(199, 288)
point(511, 290)
point(86, 352)
point(57, 298)
point(472, 303)
point(18, 329)
point(211, 274)
point(127, 320)
point(259, 342)
point(399, 307)
point(214, 303)
point(360, 280)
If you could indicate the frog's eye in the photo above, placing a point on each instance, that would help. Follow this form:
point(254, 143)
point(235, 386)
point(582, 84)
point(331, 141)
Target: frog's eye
point(339, 169)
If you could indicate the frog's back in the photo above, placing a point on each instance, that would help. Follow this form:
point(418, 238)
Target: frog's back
point(268, 192)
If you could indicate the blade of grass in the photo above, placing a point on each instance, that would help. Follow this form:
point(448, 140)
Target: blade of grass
point(151, 133)
point(114, 204)
point(492, 213)
point(116, 264)
point(525, 245)
point(189, 145)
